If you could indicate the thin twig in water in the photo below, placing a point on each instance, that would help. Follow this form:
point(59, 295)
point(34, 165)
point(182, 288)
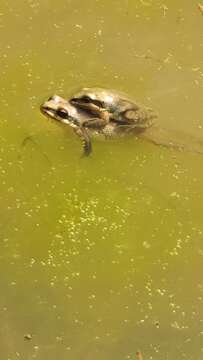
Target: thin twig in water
point(30, 139)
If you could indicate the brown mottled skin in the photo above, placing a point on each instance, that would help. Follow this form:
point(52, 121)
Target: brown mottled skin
point(98, 111)
point(110, 105)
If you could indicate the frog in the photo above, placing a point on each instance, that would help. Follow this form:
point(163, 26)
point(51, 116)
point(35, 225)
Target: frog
point(117, 117)
point(60, 109)
point(111, 117)
point(112, 106)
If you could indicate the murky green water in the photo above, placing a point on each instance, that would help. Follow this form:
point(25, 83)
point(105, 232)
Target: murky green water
point(102, 256)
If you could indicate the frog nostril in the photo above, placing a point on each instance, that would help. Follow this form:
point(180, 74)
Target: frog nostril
point(54, 98)
point(43, 108)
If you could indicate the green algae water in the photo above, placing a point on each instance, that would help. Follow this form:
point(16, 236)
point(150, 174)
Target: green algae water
point(100, 257)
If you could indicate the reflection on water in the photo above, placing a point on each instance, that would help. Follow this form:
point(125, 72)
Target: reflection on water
point(100, 257)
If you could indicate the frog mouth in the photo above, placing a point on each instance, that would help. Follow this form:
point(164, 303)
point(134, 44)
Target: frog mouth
point(47, 111)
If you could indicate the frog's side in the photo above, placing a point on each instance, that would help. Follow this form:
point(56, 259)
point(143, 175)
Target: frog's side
point(112, 106)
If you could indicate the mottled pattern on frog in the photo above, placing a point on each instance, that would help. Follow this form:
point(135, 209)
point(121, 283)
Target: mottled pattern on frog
point(118, 108)
point(98, 112)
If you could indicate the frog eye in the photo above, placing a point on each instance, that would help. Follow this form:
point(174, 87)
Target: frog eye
point(63, 113)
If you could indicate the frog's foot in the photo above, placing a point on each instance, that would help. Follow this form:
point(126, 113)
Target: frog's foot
point(83, 135)
point(142, 118)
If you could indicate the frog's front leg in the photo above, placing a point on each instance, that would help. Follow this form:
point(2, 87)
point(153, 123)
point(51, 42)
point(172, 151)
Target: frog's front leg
point(83, 135)
point(97, 122)
point(94, 123)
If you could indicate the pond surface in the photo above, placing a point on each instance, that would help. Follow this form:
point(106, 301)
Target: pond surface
point(100, 257)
